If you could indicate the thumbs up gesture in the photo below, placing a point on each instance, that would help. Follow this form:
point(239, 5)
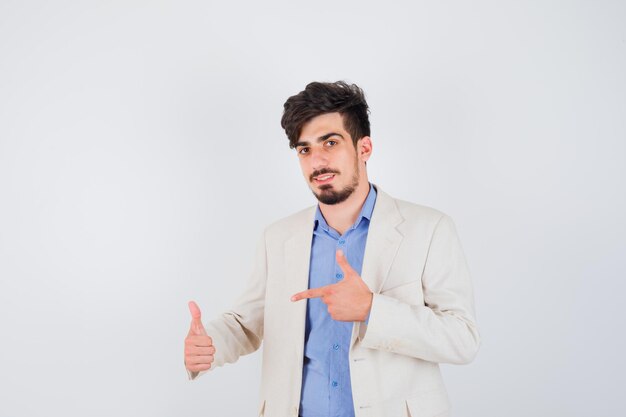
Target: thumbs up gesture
point(199, 347)
point(348, 300)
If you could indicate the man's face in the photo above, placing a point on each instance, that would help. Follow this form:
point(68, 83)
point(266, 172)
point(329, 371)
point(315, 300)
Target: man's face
point(328, 159)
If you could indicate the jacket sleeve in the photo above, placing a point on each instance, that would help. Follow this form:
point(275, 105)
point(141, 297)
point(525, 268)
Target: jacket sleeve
point(444, 328)
point(239, 331)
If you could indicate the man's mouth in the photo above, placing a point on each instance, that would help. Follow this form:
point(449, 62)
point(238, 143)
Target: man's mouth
point(324, 178)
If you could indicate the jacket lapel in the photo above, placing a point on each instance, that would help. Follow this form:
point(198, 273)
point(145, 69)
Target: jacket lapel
point(383, 241)
point(297, 251)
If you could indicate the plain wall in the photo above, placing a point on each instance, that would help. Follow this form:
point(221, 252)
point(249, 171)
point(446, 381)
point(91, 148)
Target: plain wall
point(141, 156)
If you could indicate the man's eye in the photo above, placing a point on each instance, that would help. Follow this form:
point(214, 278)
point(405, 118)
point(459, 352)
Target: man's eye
point(331, 142)
point(303, 151)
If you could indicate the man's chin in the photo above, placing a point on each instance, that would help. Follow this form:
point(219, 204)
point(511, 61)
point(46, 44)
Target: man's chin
point(325, 188)
point(320, 189)
point(329, 196)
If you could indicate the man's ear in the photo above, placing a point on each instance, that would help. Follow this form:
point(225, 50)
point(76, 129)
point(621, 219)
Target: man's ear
point(364, 148)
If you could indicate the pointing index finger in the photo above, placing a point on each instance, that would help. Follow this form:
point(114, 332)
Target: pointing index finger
point(312, 293)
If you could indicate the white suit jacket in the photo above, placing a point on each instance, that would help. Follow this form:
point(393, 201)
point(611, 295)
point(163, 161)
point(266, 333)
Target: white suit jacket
point(422, 313)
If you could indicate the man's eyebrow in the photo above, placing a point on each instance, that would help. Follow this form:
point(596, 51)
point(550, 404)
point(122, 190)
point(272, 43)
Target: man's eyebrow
point(320, 139)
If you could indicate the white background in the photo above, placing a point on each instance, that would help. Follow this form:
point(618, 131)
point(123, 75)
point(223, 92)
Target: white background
point(141, 155)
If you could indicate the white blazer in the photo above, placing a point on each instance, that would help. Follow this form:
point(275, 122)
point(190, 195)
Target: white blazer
point(422, 313)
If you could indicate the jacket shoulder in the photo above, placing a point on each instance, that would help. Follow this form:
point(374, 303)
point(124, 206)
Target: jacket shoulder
point(411, 210)
point(421, 220)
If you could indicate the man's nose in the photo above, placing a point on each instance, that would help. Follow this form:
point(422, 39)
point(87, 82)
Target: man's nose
point(318, 159)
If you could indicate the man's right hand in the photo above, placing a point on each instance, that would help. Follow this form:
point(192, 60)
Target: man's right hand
point(199, 347)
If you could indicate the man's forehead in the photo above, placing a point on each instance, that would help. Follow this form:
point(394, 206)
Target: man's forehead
point(322, 125)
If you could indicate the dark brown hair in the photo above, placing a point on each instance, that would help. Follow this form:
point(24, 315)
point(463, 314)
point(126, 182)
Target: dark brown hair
point(319, 98)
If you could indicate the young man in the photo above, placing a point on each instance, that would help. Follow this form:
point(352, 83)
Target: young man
point(357, 299)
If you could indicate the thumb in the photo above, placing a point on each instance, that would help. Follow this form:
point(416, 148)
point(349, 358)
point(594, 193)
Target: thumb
point(196, 320)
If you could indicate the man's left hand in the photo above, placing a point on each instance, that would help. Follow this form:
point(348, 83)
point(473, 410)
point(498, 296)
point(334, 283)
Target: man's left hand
point(348, 300)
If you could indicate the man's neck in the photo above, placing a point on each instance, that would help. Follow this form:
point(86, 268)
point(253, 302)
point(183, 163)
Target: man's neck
point(343, 215)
